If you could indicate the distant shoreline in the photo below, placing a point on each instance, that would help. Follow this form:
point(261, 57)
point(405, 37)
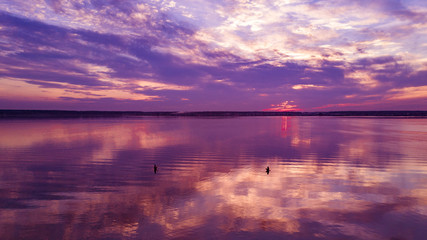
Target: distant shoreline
point(19, 114)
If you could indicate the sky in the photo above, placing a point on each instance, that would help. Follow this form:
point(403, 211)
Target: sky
point(206, 55)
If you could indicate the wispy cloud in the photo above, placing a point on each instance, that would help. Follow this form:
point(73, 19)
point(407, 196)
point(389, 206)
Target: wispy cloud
point(229, 55)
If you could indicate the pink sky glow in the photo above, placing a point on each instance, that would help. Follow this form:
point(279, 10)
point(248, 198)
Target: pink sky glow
point(205, 55)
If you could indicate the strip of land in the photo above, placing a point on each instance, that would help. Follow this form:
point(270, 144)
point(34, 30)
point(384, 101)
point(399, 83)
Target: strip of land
point(10, 114)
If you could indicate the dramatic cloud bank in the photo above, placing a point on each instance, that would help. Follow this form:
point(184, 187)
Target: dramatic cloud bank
point(213, 55)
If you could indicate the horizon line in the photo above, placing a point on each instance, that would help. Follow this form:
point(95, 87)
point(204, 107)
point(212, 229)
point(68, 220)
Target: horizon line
point(16, 113)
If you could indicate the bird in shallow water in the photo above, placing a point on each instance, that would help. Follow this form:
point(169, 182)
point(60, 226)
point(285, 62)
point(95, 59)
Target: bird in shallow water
point(155, 168)
point(267, 169)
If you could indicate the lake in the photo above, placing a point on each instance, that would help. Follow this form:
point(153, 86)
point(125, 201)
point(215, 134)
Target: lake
point(330, 178)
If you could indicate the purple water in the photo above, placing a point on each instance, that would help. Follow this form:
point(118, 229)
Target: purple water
point(330, 178)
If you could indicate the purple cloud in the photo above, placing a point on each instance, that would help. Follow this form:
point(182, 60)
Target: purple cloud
point(169, 55)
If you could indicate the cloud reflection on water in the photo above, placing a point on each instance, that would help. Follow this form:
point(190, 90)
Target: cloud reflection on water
point(331, 178)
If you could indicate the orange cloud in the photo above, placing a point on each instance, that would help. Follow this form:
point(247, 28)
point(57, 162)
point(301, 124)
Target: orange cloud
point(304, 86)
point(408, 93)
point(283, 107)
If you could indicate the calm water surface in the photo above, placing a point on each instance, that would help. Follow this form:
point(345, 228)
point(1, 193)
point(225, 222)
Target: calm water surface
point(330, 178)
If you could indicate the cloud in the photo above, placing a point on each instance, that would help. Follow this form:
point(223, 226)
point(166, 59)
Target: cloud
point(79, 61)
point(263, 51)
point(304, 86)
point(408, 93)
point(285, 106)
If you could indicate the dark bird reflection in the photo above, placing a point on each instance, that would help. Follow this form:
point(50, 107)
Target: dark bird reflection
point(267, 169)
point(155, 168)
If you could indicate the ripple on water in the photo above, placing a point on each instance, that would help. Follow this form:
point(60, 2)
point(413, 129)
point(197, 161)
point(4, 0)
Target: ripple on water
point(329, 178)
